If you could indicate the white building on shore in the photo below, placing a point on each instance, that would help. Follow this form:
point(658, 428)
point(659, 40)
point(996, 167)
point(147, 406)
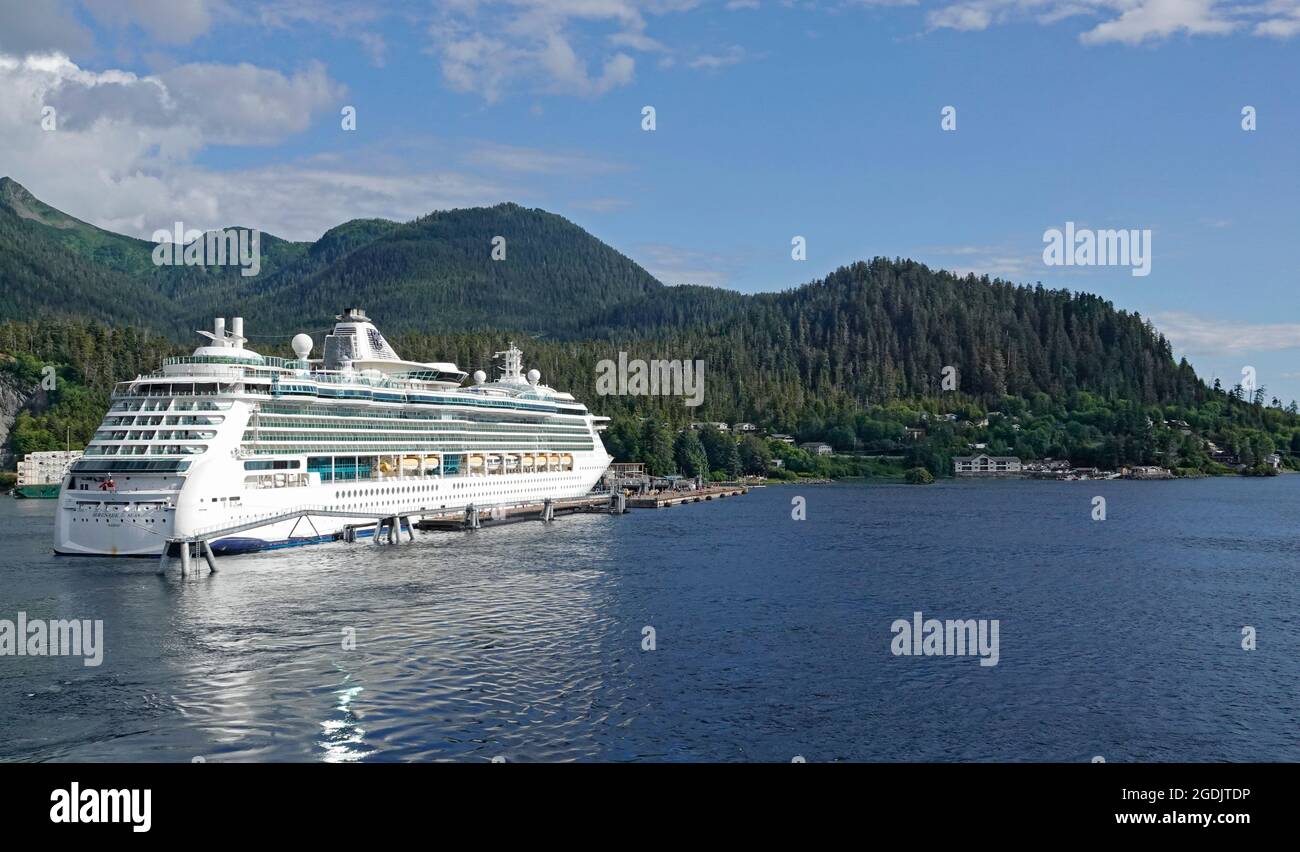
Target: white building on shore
point(985, 465)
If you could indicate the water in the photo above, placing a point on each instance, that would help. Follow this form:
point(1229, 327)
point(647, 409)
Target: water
point(1119, 638)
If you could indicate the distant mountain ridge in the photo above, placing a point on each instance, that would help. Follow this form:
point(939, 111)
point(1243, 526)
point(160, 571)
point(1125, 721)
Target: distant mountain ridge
point(435, 273)
point(869, 332)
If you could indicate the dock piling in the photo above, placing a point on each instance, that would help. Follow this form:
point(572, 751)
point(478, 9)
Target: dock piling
point(209, 556)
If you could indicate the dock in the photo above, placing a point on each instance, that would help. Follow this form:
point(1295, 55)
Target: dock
point(677, 498)
point(476, 517)
point(387, 527)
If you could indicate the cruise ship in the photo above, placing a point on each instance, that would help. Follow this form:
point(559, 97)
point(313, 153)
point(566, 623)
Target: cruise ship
point(224, 437)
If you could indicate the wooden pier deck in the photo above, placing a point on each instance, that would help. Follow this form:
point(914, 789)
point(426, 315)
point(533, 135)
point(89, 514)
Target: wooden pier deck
point(498, 515)
point(675, 498)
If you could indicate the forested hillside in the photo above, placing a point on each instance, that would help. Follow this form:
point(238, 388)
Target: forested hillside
point(853, 359)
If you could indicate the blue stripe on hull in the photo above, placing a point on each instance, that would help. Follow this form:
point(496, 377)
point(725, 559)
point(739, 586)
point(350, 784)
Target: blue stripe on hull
point(231, 546)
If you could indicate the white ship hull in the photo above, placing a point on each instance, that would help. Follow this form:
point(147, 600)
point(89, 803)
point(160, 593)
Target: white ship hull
point(123, 524)
point(211, 444)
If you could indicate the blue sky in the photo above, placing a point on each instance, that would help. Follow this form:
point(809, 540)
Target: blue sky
point(817, 119)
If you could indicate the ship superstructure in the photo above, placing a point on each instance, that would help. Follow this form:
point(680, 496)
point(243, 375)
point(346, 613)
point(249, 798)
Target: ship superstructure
point(226, 436)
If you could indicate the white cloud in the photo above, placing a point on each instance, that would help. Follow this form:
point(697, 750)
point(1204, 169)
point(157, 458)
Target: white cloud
point(38, 27)
point(220, 104)
point(123, 154)
point(346, 19)
point(1156, 19)
point(486, 47)
point(244, 104)
point(167, 21)
point(730, 56)
point(1216, 336)
point(1128, 21)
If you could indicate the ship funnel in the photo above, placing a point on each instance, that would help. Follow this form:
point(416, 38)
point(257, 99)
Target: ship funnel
point(237, 329)
point(219, 331)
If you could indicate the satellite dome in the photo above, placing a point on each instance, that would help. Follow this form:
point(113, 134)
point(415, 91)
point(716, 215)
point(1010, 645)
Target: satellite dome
point(479, 377)
point(301, 346)
point(534, 377)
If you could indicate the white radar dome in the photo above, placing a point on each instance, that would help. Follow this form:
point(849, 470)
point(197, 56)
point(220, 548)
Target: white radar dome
point(301, 344)
point(479, 377)
point(534, 377)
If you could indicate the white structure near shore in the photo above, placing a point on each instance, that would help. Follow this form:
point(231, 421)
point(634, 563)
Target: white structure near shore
point(986, 465)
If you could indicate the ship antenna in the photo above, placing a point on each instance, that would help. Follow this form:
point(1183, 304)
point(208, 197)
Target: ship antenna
point(513, 367)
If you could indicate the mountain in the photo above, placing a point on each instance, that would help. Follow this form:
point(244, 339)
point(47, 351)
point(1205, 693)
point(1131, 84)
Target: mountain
point(853, 358)
point(871, 331)
point(438, 274)
point(435, 273)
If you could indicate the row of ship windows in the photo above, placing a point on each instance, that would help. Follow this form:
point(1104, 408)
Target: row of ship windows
point(186, 391)
point(264, 437)
point(167, 405)
point(254, 432)
point(158, 435)
point(454, 487)
point(317, 411)
point(413, 424)
point(400, 397)
point(169, 420)
point(254, 449)
point(145, 449)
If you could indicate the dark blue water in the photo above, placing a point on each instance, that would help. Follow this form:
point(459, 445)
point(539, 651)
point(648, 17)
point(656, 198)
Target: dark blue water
point(1119, 638)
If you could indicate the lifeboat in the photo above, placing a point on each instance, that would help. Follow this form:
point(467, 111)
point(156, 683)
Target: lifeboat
point(432, 462)
point(411, 463)
point(475, 461)
point(527, 461)
point(567, 459)
point(385, 467)
point(554, 459)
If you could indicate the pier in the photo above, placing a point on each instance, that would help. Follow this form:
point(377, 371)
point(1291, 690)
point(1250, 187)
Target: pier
point(477, 517)
point(677, 498)
point(388, 527)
